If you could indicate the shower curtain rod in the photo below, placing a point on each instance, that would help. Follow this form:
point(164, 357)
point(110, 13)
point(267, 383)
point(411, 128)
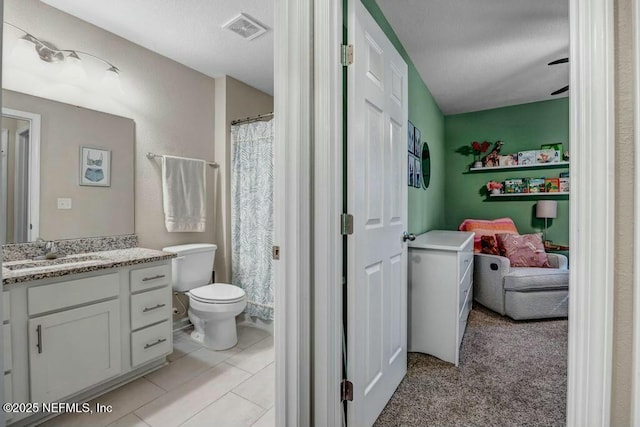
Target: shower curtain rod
point(252, 119)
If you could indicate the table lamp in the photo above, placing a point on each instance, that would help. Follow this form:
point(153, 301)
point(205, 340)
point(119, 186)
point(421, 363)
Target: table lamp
point(546, 209)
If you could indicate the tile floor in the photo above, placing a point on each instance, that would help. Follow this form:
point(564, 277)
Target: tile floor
point(199, 387)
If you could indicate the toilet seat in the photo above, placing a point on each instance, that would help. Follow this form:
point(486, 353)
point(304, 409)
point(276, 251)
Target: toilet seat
point(217, 293)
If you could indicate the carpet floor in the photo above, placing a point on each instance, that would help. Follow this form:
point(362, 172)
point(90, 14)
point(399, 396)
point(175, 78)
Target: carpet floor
point(510, 374)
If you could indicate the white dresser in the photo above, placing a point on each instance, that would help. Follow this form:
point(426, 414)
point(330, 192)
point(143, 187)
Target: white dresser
point(440, 292)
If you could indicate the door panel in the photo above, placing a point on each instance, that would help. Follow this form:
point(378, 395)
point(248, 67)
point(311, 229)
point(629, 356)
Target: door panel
point(377, 199)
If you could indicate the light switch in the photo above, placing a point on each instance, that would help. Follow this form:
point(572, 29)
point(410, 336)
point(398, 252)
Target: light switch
point(64, 203)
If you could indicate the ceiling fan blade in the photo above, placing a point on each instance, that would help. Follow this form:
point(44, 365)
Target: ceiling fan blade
point(559, 61)
point(559, 91)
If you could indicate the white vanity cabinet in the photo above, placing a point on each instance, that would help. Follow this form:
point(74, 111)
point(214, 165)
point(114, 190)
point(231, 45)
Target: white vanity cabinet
point(73, 349)
point(8, 352)
point(440, 292)
point(74, 337)
point(151, 315)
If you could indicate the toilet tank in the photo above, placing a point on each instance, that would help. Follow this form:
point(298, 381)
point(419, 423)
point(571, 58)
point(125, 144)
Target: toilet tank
point(192, 268)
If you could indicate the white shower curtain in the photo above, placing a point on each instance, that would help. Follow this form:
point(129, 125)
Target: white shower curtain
point(252, 215)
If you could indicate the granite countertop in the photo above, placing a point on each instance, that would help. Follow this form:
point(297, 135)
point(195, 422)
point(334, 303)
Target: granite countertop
point(79, 263)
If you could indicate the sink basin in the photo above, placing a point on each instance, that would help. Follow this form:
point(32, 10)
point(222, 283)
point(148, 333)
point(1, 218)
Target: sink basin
point(30, 263)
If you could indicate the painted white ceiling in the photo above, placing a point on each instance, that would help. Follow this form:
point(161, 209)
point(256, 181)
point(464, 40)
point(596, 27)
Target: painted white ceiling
point(472, 54)
point(480, 54)
point(189, 32)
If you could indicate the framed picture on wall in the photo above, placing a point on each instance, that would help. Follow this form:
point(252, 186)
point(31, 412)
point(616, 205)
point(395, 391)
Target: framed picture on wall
point(410, 140)
point(95, 166)
point(418, 173)
point(411, 171)
point(417, 135)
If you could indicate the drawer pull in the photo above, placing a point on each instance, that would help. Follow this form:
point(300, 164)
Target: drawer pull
point(146, 309)
point(159, 276)
point(160, 341)
point(39, 333)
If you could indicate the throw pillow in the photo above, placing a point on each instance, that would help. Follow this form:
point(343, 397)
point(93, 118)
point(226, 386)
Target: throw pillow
point(524, 250)
point(489, 245)
point(484, 227)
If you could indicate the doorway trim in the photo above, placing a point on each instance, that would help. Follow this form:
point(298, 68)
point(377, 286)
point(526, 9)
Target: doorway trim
point(592, 144)
point(635, 369)
point(328, 205)
point(293, 118)
point(592, 139)
point(34, 167)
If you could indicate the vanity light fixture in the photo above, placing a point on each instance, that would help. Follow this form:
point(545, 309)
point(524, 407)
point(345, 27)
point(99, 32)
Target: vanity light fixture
point(48, 52)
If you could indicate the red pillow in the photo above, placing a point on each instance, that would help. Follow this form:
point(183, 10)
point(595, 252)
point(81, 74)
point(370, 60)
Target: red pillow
point(524, 250)
point(484, 227)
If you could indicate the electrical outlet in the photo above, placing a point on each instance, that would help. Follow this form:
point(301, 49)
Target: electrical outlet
point(64, 203)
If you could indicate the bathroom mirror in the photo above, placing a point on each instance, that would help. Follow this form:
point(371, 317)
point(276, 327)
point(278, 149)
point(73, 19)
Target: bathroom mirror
point(41, 194)
point(426, 165)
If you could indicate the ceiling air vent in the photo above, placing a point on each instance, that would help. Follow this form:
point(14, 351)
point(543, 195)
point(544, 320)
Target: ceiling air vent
point(245, 26)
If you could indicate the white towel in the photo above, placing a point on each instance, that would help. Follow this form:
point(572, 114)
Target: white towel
point(183, 194)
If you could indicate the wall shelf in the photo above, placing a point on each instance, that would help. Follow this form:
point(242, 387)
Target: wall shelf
point(536, 166)
point(557, 193)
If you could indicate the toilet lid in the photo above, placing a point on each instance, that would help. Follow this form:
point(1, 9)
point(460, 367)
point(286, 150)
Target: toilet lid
point(217, 292)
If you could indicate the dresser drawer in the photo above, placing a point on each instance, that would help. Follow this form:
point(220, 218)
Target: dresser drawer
point(8, 361)
point(465, 286)
point(75, 292)
point(465, 260)
point(150, 277)
point(150, 307)
point(464, 315)
point(150, 343)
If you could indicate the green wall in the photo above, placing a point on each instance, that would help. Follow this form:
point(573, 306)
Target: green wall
point(521, 127)
point(426, 207)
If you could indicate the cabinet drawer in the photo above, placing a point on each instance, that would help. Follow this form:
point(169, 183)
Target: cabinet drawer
point(466, 262)
point(6, 306)
point(150, 307)
point(8, 393)
point(150, 277)
point(465, 286)
point(150, 343)
point(8, 361)
point(74, 292)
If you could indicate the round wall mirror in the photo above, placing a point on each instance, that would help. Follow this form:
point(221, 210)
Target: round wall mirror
point(426, 166)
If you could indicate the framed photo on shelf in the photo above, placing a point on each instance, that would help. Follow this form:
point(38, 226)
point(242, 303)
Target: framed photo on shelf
point(95, 166)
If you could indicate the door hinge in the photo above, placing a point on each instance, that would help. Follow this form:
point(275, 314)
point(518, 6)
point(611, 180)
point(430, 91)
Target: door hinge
point(347, 54)
point(346, 224)
point(346, 391)
point(275, 252)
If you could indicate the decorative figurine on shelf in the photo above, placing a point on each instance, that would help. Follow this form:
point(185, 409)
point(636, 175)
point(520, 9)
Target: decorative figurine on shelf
point(479, 148)
point(493, 158)
point(494, 187)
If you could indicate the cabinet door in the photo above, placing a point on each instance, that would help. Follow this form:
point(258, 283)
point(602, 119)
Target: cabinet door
point(73, 349)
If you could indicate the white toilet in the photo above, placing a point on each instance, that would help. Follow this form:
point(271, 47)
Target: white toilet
point(212, 307)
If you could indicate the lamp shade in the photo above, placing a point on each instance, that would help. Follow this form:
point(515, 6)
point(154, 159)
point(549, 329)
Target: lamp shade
point(546, 209)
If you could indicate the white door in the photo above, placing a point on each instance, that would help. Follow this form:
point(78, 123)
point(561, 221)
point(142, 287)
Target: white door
point(377, 198)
